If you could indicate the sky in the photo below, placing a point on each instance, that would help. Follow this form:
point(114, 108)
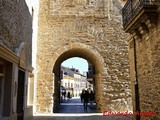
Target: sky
point(76, 62)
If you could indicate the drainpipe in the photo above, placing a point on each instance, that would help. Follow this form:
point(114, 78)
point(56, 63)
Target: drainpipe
point(136, 81)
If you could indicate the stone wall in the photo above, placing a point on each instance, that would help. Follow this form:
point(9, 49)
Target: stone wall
point(16, 25)
point(66, 26)
point(16, 41)
point(78, 7)
point(148, 69)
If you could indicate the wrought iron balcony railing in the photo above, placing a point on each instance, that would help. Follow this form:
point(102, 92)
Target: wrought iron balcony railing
point(133, 7)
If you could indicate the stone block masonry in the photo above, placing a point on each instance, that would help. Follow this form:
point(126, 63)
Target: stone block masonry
point(81, 28)
point(16, 25)
point(15, 56)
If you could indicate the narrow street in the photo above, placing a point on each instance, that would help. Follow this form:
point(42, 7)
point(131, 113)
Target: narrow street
point(74, 105)
point(73, 110)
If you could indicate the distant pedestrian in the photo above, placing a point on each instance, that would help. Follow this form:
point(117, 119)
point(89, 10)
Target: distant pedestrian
point(64, 95)
point(82, 95)
point(69, 95)
point(91, 98)
point(85, 99)
point(89, 90)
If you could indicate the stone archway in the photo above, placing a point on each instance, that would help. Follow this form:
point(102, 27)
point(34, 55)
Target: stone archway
point(46, 93)
point(64, 34)
point(113, 87)
point(83, 51)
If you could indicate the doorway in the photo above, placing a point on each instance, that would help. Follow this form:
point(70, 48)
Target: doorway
point(1, 87)
point(20, 95)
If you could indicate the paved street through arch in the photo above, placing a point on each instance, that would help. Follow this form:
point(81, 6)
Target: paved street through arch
point(73, 110)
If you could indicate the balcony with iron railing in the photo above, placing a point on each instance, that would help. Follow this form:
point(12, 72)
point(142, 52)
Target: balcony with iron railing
point(136, 11)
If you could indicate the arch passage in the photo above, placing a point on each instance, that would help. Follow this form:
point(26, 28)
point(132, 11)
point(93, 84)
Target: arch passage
point(48, 81)
point(112, 87)
point(93, 57)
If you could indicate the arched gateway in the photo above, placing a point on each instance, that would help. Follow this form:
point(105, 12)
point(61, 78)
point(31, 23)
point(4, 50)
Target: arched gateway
point(83, 51)
point(90, 30)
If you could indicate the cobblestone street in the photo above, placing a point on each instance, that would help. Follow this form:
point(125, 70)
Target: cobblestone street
point(73, 110)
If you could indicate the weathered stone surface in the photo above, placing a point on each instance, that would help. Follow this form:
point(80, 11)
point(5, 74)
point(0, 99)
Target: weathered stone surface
point(16, 41)
point(15, 25)
point(80, 28)
point(148, 75)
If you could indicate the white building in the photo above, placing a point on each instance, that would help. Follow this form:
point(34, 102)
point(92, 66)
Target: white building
point(73, 81)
